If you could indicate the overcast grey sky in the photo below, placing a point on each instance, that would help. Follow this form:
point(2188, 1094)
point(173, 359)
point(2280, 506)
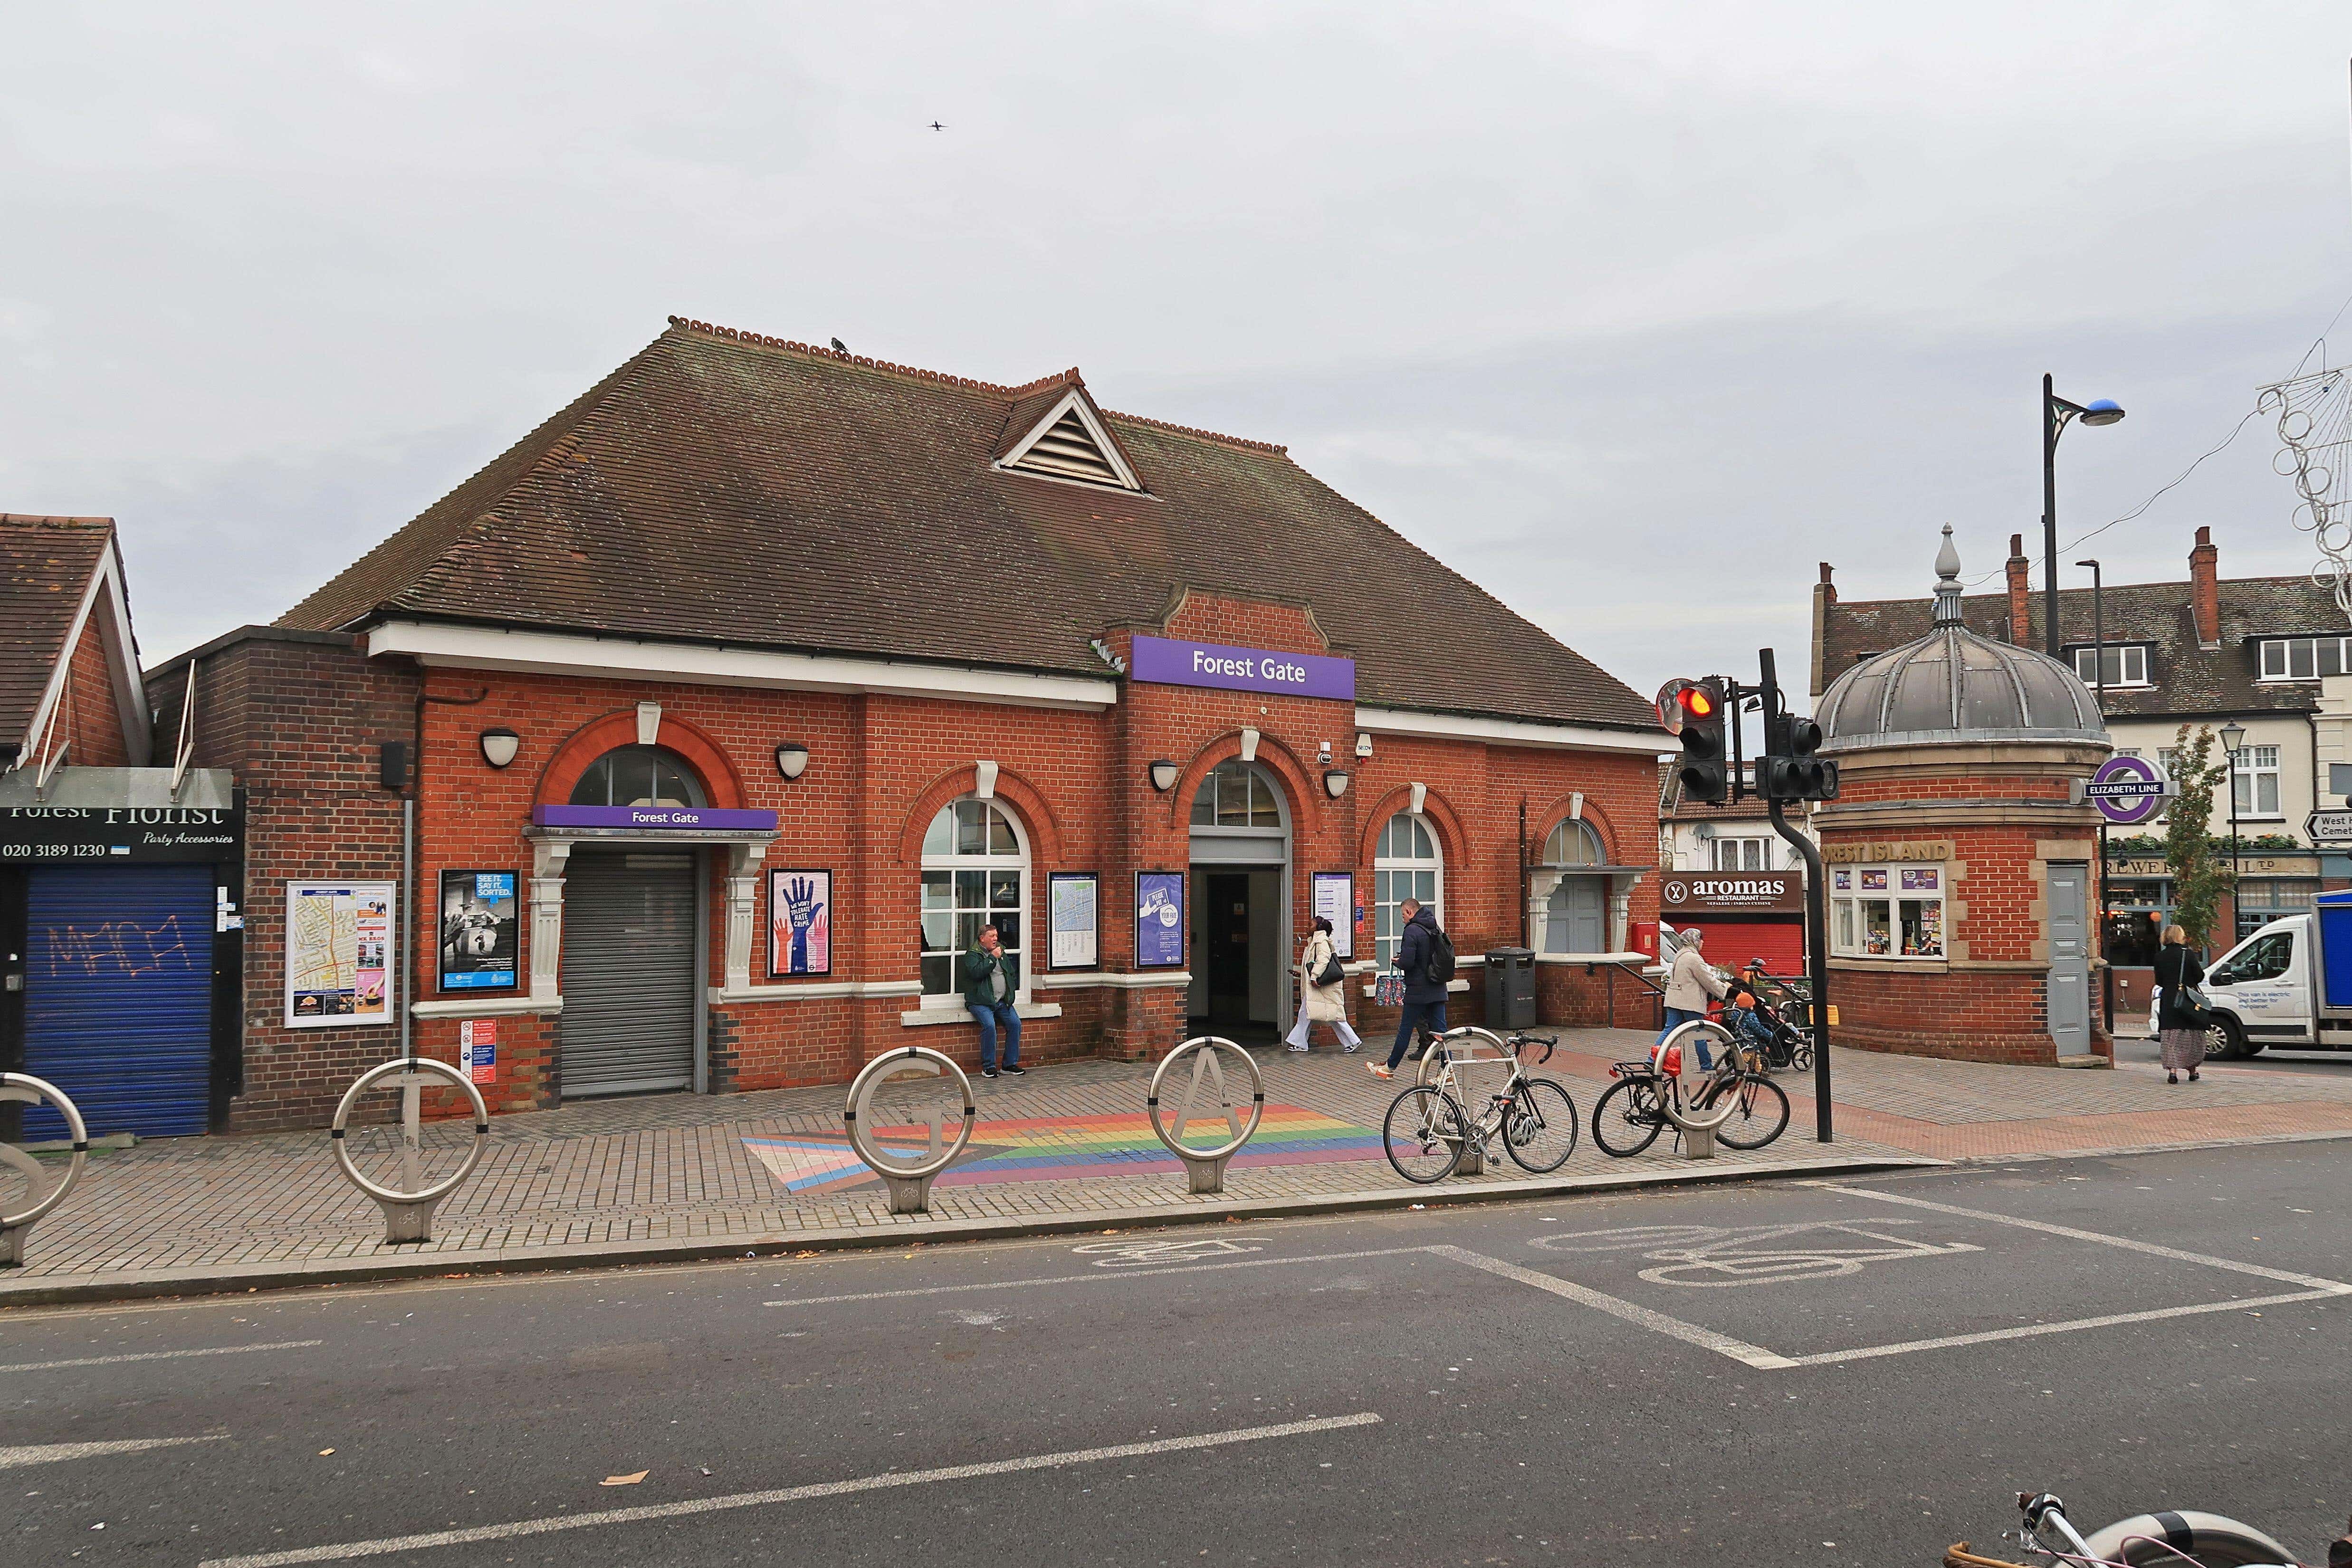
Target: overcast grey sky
point(1632, 312)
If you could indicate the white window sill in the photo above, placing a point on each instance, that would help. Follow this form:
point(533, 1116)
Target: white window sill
point(817, 991)
point(493, 1007)
point(928, 1015)
point(1451, 985)
point(1113, 979)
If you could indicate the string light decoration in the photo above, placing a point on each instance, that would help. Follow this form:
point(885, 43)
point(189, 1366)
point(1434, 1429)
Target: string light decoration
point(2314, 414)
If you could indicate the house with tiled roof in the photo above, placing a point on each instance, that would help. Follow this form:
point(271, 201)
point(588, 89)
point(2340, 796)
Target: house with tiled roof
point(2268, 656)
point(727, 707)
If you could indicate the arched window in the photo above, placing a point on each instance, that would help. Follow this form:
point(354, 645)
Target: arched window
point(1237, 794)
point(975, 874)
point(1405, 865)
point(1573, 907)
point(639, 775)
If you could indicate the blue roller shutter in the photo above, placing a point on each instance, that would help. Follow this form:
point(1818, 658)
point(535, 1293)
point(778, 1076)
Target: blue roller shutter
point(118, 996)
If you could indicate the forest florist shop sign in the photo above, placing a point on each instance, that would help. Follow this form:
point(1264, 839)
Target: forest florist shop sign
point(1883, 852)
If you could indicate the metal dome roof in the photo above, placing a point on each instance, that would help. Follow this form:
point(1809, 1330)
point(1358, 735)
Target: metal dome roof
point(1954, 687)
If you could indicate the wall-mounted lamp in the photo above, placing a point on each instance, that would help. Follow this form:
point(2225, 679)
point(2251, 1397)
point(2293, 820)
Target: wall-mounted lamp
point(499, 746)
point(791, 759)
point(1163, 775)
point(1323, 752)
point(1363, 744)
point(1334, 783)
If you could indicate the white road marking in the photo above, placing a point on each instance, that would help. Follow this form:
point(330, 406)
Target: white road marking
point(2284, 1277)
point(1124, 1274)
point(344, 1552)
point(1658, 1323)
point(49, 1453)
point(1831, 1358)
point(158, 1355)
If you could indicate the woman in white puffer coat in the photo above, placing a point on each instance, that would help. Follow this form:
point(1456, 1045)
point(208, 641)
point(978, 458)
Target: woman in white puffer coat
point(1321, 1003)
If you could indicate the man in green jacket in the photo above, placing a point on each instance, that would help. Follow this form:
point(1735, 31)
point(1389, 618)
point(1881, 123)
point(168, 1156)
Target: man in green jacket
point(991, 978)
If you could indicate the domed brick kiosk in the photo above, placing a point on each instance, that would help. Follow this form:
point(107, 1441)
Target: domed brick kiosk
point(1962, 890)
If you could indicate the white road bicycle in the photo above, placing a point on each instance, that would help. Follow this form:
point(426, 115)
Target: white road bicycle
point(2169, 1536)
point(1428, 1131)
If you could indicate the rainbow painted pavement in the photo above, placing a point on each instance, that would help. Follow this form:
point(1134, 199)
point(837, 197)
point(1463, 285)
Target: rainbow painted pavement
point(1061, 1150)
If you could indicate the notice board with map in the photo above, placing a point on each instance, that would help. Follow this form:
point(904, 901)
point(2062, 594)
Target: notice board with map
point(339, 954)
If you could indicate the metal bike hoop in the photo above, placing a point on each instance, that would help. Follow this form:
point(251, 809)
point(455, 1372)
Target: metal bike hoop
point(1665, 1102)
point(1210, 1044)
point(1502, 1049)
point(368, 1080)
point(856, 1115)
point(24, 1089)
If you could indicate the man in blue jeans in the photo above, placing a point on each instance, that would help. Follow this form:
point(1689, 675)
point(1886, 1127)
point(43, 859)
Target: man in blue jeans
point(1424, 998)
point(991, 978)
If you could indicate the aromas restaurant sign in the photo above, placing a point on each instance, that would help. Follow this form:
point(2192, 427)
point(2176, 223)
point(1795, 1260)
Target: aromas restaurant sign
point(1169, 661)
point(1731, 892)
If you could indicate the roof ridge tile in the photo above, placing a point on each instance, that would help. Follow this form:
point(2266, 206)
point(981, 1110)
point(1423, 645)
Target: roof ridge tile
point(761, 340)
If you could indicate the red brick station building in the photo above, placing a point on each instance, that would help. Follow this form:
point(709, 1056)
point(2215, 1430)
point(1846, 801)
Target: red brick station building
point(710, 721)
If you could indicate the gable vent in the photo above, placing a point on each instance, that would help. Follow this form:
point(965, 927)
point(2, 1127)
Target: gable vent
point(1068, 451)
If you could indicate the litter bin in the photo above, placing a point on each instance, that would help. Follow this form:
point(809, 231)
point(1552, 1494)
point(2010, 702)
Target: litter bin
point(1510, 988)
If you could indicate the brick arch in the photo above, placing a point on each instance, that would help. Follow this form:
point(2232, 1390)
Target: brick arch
point(1279, 760)
point(1452, 841)
point(1612, 847)
point(1037, 816)
point(720, 785)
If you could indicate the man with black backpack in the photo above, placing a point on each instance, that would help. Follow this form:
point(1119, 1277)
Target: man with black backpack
point(1425, 954)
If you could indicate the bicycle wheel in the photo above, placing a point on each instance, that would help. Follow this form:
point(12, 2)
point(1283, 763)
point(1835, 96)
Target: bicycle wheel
point(1425, 1134)
point(1626, 1118)
point(1761, 1115)
point(1539, 1126)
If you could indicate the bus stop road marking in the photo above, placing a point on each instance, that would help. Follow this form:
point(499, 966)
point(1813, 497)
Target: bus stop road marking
point(1657, 1323)
point(157, 1355)
point(346, 1551)
point(49, 1453)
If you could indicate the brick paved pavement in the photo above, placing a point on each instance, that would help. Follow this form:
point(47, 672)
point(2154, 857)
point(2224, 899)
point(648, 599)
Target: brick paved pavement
point(678, 1166)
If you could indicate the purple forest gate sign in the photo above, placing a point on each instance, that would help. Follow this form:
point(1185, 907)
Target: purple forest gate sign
point(2126, 790)
point(1166, 661)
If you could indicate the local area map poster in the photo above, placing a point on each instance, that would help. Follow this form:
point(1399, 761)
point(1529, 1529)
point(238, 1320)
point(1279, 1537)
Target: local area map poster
point(1076, 919)
point(339, 954)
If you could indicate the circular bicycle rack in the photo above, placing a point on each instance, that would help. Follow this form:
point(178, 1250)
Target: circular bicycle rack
point(25, 1089)
point(1207, 1167)
point(408, 1214)
point(1697, 1129)
point(909, 1182)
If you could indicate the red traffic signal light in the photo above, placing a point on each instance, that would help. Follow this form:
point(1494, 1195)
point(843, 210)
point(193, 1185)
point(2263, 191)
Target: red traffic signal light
point(1693, 709)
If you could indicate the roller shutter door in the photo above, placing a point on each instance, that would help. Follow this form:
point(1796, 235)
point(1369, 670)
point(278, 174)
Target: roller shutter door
point(629, 978)
point(1730, 945)
point(119, 997)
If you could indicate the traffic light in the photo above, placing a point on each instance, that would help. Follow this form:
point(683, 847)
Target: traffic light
point(1793, 769)
point(1694, 709)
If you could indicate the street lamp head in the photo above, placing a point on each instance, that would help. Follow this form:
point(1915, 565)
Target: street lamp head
point(2104, 411)
point(2093, 566)
point(2232, 737)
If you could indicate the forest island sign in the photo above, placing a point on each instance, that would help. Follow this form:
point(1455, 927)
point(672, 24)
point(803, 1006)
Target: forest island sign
point(1881, 850)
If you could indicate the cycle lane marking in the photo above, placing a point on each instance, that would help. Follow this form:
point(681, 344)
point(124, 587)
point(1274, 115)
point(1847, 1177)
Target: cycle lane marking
point(49, 1453)
point(1657, 1323)
point(157, 1355)
point(1091, 1278)
point(2031, 1331)
point(345, 1551)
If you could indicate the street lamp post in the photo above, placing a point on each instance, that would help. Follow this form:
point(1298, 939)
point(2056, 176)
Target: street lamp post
point(2099, 682)
point(2056, 412)
point(2233, 735)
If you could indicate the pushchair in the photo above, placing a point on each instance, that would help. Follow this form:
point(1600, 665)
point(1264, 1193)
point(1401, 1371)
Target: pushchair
point(1764, 1028)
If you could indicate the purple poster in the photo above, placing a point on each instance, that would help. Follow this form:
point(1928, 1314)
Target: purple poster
point(800, 922)
point(1159, 919)
point(1166, 661)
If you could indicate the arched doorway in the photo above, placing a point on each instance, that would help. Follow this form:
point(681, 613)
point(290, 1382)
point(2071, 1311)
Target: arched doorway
point(1241, 902)
point(633, 933)
point(1573, 910)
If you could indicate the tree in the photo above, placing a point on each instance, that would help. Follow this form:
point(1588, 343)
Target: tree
point(2200, 875)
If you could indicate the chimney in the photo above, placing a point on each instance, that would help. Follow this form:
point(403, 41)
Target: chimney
point(2205, 589)
point(1829, 588)
point(1824, 599)
point(2020, 594)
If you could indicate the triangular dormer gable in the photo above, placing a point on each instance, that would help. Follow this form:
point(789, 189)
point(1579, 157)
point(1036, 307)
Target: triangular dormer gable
point(1070, 441)
point(62, 585)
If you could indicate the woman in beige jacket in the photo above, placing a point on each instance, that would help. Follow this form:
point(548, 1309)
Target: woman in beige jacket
point(1688, 985)
point(1321, 1003)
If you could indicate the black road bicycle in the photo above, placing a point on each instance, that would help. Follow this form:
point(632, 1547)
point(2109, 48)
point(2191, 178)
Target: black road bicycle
point(1735, 1100)
point(1428, 1131)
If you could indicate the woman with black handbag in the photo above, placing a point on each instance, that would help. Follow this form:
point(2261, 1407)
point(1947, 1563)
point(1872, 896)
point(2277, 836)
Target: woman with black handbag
point(1322, 991)
point(2180, 1021)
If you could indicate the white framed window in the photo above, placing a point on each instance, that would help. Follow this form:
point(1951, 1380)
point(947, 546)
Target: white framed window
point(2255, 780)
point(1405, 865)
point(2305, 658)
point(1237, 794)
point(2126, 664)
point(975, 874)
point(1887, 911)
point(639, 775)
point(1741, 854)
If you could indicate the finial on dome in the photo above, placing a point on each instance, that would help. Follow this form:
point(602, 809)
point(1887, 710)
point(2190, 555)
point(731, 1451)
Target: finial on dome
point(1948, 582)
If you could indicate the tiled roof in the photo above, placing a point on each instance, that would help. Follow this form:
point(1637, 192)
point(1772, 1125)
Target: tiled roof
point(721, 486)
point(46, 566)
point(2186, 678)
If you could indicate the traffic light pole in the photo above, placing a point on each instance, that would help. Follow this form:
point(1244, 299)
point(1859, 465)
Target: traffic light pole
point(1817, 922)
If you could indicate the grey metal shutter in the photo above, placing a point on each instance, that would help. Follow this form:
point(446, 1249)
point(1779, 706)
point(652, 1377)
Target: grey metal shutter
point(629, 978)
point(119, 997)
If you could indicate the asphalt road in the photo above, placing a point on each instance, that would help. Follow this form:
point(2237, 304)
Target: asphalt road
point(1781, 1374)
